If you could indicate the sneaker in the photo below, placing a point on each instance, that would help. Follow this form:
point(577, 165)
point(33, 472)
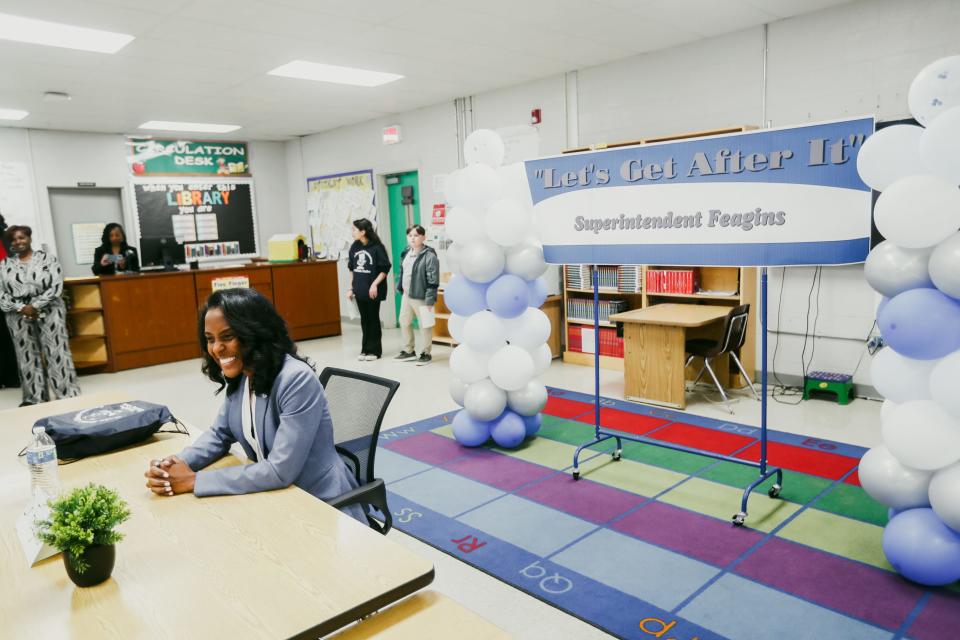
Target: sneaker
point(371, 357)
point(405, 355)
point(425, 358)
point(362, 357)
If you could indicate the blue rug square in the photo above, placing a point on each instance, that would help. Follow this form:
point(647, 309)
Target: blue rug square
point(444, 492)
point(392, 466)
point(528, 525)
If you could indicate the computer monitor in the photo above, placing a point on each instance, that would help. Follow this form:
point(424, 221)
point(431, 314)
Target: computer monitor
point(163, 252)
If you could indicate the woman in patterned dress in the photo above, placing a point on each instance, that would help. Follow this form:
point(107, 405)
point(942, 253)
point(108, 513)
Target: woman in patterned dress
point(31, 283)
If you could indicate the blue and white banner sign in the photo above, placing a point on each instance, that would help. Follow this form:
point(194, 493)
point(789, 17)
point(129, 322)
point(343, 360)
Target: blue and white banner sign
point(773, 197)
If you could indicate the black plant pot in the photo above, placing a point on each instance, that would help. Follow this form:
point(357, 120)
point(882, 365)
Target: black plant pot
point(100, 558)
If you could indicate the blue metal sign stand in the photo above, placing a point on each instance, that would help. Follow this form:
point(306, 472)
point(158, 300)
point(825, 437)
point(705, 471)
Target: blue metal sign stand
point(601, 436)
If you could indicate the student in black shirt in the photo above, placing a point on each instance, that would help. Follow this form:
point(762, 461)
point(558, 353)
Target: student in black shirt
point(370, 265)
point(114, 255)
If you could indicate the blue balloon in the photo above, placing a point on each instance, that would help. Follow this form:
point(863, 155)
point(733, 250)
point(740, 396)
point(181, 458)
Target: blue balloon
point(922, 548)
point(508, 296)
point(890, 513)
point(923, 324)
point(470, 432)
point(532, 424)
point(465, 297)
point(538, 292)
point(508, 430)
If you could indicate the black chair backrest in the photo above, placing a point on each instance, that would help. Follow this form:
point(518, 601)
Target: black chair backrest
point(357, 403)
point(734, 329)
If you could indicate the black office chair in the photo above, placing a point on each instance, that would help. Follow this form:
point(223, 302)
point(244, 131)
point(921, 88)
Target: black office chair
point(733, 336)
point(357, 403)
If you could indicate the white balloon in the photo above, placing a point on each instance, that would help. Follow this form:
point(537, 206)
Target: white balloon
point(481, 260)
point(456, 325)
point(511, 368)
point(528, 330)
point(526, 260)
point(457, 390)
point(886, 408)
point(938, 146)
point(469, 365)
point(890, 154)
point(484, 400)
point(478, 186)
point(452, 255)
point(935, 90)
point(528, 401)
point(891, 270)
point(944, 266)
point(484, 331)
point(943, 384)
point(513, 177)
point(918, 211)
point(923, 436)
point(900, 379)
point(506, 222)
point(542, 357)
point(483, 146)
point(945, 495)
point(463, 225)
point(890, 483)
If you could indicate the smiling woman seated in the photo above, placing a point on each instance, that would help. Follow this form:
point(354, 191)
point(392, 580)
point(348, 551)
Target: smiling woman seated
point(275, 408)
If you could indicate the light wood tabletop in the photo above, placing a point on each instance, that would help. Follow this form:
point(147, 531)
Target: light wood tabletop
point(278, 564)
point(427, 615)
point(676, 315)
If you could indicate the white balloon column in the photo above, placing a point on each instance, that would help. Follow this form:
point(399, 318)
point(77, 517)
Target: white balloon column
point(916, 471)
point(494, 297)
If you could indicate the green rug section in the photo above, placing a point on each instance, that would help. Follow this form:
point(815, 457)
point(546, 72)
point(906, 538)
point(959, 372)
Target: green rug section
point(853, 502)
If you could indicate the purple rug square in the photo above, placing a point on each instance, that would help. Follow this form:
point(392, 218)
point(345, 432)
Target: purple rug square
point(939, 619)
point(497, 470)
point(428, 447)
point(705, 539)
point(585, 499)
point(880, 597)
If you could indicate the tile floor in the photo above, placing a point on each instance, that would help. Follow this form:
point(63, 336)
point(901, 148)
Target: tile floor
point(423, 394)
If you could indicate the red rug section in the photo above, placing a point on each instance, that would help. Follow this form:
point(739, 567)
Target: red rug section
point(624, 421)
point(696, 437)
point(853, 478)
point(817, 463)
point(563, 408)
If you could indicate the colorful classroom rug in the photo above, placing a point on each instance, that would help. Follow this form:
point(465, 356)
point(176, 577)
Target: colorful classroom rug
point(644, 547)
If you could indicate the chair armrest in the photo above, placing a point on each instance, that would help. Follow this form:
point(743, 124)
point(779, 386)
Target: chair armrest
point(374, 494)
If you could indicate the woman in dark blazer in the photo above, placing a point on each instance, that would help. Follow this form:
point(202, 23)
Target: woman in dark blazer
point(114, 255)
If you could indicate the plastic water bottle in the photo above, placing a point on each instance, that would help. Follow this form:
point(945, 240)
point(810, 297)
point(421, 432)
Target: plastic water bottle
point(42, 460)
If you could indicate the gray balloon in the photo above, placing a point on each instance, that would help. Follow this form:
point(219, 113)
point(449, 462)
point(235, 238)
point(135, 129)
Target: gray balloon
point(529, 400)
point(891, 270)
point(945, 266)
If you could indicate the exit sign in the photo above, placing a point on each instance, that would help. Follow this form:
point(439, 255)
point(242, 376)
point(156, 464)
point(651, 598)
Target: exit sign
point(391, 135)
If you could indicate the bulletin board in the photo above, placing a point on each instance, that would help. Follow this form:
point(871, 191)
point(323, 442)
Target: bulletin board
point(213, 219)
point(333, 203)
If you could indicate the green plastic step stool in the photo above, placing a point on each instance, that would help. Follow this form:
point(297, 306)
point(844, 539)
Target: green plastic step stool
point(840, 384)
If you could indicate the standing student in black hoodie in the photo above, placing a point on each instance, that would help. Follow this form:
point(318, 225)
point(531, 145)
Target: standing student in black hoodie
point(370, 265)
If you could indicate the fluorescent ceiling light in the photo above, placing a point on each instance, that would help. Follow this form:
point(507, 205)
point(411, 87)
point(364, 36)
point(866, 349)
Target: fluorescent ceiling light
point(197, 127)
point(332, 73)
point(55, 34)
point(13, 114)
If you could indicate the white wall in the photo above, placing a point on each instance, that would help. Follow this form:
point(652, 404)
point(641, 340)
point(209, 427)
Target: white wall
point(63, 158)
point(851, 60)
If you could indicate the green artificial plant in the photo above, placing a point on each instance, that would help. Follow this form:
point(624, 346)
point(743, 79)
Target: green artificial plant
point(83, 518)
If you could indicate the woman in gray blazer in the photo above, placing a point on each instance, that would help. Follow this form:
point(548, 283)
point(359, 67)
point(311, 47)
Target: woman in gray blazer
point(274, 407)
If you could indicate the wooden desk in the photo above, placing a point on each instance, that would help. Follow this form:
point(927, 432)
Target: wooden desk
point(654, 349)
point(427, 615)
point(278, 564)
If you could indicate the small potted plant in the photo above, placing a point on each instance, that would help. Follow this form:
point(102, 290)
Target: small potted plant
point(81, 525)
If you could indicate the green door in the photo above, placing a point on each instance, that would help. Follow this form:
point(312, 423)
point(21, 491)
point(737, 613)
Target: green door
point(402, 216)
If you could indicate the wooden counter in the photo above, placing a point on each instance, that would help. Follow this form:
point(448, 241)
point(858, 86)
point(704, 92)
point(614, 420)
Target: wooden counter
point(129, 321)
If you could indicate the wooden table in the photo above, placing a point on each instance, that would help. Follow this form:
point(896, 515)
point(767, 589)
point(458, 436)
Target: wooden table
point(278, 564)
point(427, 615)
point(654, 349)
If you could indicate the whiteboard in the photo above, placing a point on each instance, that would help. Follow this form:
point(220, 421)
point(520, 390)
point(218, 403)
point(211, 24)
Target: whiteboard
point(16, 194)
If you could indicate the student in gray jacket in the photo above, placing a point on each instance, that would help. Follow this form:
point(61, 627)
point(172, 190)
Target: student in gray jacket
point(275, 408)
point(419, 280)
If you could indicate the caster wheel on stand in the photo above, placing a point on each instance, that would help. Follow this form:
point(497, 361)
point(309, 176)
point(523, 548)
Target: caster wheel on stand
point(739, 519)
point(616, 455)
point(576, 475)
point(774, 491)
